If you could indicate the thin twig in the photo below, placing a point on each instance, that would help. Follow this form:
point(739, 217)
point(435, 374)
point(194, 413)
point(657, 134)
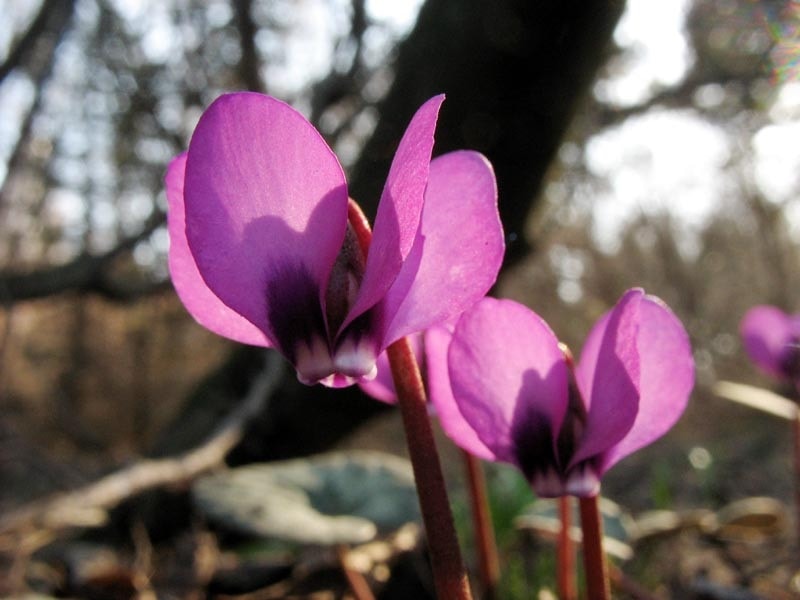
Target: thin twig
point(358, 583)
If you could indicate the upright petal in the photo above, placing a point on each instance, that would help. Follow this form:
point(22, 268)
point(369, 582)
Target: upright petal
point(266, 210)
point(400, 207)
point(458, 250)
point(667, 378)
point(509, 379)
point(608, 377)
point(199, 300)
point(766, 330)
point(437, 343)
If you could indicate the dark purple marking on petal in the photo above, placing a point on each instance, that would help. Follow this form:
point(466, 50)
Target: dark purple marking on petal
point(532, 431)
point(263, 193)
point(509, 379)
point(789, 359)
point(293, 309)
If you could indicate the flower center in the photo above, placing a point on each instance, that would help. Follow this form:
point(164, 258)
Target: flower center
point(344, 282)
point(548, 472)
point(342, 357)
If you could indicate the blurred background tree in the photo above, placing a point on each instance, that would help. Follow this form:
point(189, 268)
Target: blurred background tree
point(633, 145)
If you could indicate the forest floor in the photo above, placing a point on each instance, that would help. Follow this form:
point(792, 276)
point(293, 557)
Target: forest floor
point(704, 513)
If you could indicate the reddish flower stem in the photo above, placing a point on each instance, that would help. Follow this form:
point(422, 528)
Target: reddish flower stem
point(360, 224)
point(795, 395)
point(358, 584)
point(565, 553)
point(594, 560)
point(796, 432)
point(488, 562)
point(449, 575)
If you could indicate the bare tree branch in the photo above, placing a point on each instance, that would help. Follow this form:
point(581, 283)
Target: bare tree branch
point(678, 96)
point(50, 23)
point(338, 85)
point(87, 273)
point(88, 506)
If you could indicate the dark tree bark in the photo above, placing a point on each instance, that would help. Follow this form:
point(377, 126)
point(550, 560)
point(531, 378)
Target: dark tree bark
point(249, 63)
point(514, 72)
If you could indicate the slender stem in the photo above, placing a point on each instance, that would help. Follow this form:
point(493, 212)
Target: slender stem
point(796, 432)
point(450, 577)
point(795, 396)
point(565, 552)
point(358, 221)
point(358, 584)
point(488, 562)
point(594, 560)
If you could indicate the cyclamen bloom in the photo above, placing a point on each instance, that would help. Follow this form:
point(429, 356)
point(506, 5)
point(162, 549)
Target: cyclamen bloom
point(772, 341)
point(261, 250)
point(514, 398)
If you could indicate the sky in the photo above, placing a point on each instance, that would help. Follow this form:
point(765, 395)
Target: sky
point(662, 161)
point(674, 162)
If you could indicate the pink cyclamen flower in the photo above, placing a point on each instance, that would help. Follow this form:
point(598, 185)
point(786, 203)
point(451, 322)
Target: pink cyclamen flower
point(772, 341)
point(513, 397)
point(261, 250)
point(430, 349)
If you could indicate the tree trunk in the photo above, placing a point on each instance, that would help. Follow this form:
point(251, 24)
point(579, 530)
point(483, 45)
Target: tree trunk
point(514, 72)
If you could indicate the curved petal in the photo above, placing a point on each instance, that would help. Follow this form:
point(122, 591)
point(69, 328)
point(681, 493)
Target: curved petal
point(266, 212)
point(397, 221)
point(458, 251)
point(509, 379)
point(382, 387)
point(667, 378)
point(766, 330)
point(199, 300)
point(437, 342)
point(608, 376)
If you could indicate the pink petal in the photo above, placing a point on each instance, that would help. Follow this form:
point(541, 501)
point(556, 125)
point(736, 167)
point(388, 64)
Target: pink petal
point(766, 331)
point(200, 301)
point(509, 379)
point(266, 210)
point(459, 248)
point(382, 387)
point(608, 377)
point(437, 342)
point(667, 378)
point(400, 207)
